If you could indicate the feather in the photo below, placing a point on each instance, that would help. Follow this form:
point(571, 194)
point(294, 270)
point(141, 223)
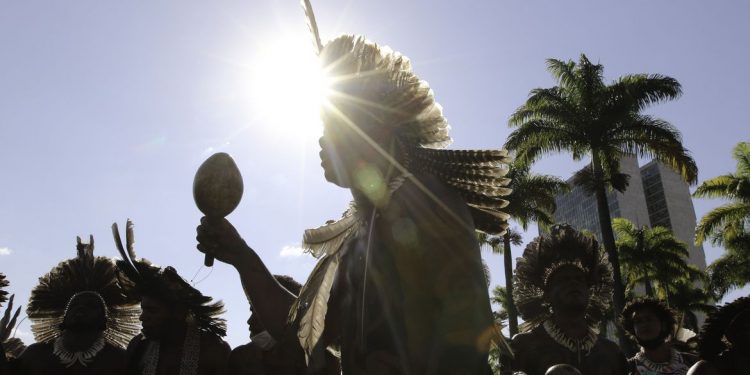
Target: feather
point(130, 239)
point(312, 324)
point(127, 262)
point(312, 25)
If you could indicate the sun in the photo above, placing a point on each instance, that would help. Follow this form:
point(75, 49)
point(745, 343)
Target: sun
point(288, 87)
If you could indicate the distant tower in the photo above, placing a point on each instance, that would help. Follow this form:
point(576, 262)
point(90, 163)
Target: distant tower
point(656, 196)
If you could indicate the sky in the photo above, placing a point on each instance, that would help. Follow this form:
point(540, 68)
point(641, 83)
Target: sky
point(108, 108)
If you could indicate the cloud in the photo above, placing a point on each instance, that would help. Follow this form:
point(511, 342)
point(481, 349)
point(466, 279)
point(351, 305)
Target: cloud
point(291, 252)
point(5, 251)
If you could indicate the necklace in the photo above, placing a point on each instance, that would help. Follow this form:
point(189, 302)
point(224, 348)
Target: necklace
point(583, 344)
point(672, 366)
point(190, 354)
point(84, 357)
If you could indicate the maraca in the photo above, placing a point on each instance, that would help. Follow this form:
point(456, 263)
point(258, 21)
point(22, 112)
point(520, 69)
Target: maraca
point(217, 189)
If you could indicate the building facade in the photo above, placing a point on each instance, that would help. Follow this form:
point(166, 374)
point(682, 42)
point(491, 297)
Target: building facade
point(656, 196)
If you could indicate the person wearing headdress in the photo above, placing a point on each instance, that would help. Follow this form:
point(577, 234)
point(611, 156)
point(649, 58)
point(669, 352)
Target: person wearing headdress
point(399, 281)
point(653, 325)
point(562, 289)
point(724, 341)
point(10, 347)
point(81, 318)
point(181, 329)
point(263, 356)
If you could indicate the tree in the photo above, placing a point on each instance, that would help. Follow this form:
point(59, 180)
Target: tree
point(729, 224)
point(732, 269)
point(532, 200)
point(733, 218)
point(588, 118)
point(649, 254)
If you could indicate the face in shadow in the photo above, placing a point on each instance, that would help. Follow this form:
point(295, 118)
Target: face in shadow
point(568, 290)
point(86, 312)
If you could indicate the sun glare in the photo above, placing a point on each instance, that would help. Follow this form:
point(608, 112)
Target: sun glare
point(288, 87)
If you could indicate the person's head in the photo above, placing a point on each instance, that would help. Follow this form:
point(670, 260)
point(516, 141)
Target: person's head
point(562, 369)
point(563, 271)
point(85, 312)
point(161, 316)
point(649, 321)
point(567, 288)
point(253, 323)
point(377, 108)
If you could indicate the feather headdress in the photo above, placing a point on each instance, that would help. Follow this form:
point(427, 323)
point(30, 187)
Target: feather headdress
point(144, 278)
point(378, 86)
point(13, 346)
point(3, 284)
point(712, 339)
point(85, 273)
point(563, 246)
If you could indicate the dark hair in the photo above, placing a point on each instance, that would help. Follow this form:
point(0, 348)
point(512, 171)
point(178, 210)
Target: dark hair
point(665, 314)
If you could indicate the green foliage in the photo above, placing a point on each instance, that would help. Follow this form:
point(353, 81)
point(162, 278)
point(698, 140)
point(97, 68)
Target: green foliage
point(729, 224)
point(583, 115)
point(732, 218)
point(650, 254)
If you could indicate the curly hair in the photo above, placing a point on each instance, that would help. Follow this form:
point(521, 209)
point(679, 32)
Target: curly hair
point(665, 314)
point(562, 246)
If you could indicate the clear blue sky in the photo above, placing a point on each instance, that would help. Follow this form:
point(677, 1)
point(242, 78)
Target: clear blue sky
point(108, 108)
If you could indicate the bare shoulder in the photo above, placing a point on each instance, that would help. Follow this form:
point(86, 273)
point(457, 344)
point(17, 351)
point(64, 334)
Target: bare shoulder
point(703, 368)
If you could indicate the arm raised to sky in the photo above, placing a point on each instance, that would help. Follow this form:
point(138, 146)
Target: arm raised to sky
point(271, 302)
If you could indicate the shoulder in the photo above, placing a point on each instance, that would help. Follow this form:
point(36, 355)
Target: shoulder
point(609, 348)
point(37, 350)
point(703, 367)
point(214, 345)
point(135, 342)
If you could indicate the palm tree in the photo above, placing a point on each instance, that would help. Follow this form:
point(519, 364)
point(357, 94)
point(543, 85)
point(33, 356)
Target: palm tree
point(732, 269)
point(586, 117)
point(649, 254)
point(735, 187)
point(532, 200)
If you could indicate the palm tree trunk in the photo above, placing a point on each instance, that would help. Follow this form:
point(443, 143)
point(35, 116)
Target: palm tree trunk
point(608, 240)
point(508, 263)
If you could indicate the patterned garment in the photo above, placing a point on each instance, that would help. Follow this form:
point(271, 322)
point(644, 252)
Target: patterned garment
point(675, 366)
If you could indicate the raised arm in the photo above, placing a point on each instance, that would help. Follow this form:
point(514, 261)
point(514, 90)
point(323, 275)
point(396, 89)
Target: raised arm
point(271, 302)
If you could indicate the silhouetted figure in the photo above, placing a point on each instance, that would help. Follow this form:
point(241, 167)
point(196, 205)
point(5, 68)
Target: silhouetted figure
point(563, 286)
point(652, 324)
point(81, 319)
point(725, 341)
point(399, 282)
point(181, 328)
point(263, 356)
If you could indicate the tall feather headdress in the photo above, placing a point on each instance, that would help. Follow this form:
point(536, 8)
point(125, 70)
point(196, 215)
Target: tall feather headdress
point(84, 273)
point(563, 246)
point(144, 278)
point(379, 84)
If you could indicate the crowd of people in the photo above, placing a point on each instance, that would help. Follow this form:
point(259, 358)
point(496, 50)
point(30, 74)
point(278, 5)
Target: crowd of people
point(96, 315)
point(399, 287)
